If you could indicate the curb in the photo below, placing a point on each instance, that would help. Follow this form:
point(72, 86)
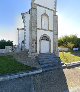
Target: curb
point(19, 75)
point(72, 65)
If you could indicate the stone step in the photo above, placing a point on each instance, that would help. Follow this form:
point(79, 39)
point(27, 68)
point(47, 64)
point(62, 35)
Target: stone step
point(44, 62)
point(51, 67)
point(41, 59)
point(48, 60)
point(49, 64)
point(46, 56)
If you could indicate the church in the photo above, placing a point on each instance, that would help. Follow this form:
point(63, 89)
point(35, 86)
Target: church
point(40, 32)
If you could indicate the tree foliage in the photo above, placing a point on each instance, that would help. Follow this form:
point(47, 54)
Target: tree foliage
point(69, 41)
point(70, 45)
point(4, 43)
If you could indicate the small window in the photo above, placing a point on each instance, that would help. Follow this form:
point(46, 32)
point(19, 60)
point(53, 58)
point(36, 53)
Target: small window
point(45, 38)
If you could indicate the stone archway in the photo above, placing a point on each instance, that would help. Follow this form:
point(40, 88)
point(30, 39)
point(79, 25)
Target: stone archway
point(45, 44)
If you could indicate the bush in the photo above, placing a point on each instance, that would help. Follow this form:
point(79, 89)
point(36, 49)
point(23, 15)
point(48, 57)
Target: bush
point(71, 41)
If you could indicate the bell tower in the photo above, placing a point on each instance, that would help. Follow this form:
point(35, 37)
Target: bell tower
point(43, 21)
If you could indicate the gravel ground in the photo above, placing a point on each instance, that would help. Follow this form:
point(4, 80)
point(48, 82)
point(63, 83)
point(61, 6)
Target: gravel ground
point(73, 79)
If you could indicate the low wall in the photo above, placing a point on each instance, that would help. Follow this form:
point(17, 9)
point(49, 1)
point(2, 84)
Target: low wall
point(6, 50)
point(2, 51)
point(63, 49)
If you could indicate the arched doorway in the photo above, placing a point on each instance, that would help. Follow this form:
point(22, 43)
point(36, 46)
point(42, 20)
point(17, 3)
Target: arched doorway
point(45, 44)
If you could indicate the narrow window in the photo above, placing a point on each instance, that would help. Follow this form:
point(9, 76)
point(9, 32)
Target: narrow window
point(45, 22)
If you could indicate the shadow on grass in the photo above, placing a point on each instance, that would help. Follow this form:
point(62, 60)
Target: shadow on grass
point(74, 65)
point(76, 53)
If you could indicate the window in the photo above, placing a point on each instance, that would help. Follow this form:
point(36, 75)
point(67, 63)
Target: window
point(45, 38)
point(45, 21)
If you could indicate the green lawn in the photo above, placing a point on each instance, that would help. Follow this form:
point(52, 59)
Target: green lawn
point(9, 65)
point(68, 57)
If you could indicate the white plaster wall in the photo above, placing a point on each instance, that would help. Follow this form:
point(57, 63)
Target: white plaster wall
point(27, 19)
point(40, 11)
point(42, 32)
point(21, 37)
point(19, 22)
point(46, 3)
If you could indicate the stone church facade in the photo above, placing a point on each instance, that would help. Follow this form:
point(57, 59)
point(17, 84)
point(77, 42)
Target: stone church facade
point(41, 27)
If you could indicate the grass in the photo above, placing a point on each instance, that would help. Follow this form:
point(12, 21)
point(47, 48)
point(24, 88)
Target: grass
point(69, 57)
point(9, 65)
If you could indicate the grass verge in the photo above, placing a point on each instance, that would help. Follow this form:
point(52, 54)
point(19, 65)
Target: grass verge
point(9, 65)
point(69, 57)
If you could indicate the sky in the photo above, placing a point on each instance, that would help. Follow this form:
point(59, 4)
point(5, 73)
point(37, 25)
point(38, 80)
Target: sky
point(10, 16)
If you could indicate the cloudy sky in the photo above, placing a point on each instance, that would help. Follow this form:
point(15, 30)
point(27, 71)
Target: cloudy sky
point(10, 10)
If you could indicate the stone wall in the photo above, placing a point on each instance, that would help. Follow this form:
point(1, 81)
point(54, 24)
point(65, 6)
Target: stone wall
point(33, 29)
point(55, 43)
point(24, 58)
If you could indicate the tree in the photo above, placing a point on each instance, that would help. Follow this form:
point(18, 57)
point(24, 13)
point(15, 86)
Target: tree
point(4, 43)
point(70, 45)
point(69, 41)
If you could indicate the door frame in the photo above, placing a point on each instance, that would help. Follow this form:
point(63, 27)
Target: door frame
point(45, 37)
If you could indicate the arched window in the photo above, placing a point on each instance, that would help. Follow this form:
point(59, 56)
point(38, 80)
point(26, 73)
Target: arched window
point(45, 21)
point(45, 38)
